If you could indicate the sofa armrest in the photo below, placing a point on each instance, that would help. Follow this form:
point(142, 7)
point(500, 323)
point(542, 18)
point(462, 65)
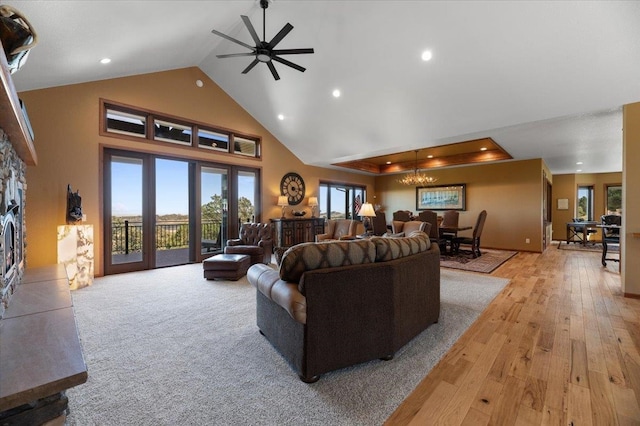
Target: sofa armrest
point(323, 237)
point(267, 281)
point(234, 242)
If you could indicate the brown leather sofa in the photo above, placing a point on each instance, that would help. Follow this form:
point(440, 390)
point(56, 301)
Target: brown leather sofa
point(340, 303)
point(254, 240)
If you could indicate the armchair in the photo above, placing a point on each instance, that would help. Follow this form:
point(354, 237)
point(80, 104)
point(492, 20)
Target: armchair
point(410, 226)
point(254, 240)
point(338, 229)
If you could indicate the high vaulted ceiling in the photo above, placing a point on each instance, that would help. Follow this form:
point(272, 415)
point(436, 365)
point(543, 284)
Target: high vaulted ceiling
point(543, 79)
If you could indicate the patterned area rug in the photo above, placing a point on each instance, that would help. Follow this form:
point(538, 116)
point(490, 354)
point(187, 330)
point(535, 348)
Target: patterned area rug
point(486, 263)
point(587, 247)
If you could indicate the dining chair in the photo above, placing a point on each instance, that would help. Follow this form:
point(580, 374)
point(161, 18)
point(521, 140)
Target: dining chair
point(474, 241)
point(449, 220)
point(379, 223)
point(402, 215)
point(431, 217)
point(610, 235)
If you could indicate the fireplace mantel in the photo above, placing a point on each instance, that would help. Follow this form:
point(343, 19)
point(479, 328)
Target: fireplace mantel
point(12, 119)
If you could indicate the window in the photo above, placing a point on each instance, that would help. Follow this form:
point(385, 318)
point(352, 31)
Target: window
point(213, 140)
point(614, 199)
point(126, 121)
point(585, 203)
point(167, 131)
point(340, 201)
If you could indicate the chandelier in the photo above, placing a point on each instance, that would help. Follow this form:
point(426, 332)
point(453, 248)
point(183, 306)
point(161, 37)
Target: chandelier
point(416, 178)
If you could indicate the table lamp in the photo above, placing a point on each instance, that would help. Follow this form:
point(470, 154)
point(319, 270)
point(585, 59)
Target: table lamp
point(313, 203)
point(367, 212)
point(283, 201)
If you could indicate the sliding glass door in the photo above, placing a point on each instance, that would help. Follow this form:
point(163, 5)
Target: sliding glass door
point(161, 211)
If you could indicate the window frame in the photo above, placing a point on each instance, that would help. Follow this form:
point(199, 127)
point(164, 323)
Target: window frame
point(352, 190)
point(150, 120)
point(607, 186)
point(590, 202)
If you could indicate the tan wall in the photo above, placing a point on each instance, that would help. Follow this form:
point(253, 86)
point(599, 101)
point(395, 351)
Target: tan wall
point(566, 186)
point(630, 248)
point(511, 192)
point(67, 141)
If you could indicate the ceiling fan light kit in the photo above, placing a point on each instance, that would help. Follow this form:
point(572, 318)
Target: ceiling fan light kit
point(264, 51)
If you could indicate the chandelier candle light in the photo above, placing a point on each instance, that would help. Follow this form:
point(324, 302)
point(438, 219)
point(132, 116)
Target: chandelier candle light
point(313, 203)
point(416, 178)
point(283, 201)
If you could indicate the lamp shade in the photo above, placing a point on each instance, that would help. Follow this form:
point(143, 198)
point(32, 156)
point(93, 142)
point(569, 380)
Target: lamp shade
point(366, 210)
point(313, 201)
point(283, 200)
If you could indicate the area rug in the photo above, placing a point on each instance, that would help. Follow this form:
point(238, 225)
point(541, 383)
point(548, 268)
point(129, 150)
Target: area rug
point(486, 263)
point(166, 347)
point(563, 245)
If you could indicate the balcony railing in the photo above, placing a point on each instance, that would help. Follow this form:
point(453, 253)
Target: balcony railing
point(127, 237)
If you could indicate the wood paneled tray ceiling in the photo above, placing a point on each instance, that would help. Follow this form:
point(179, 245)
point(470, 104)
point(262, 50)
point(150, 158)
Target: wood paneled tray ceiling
point(455, 154)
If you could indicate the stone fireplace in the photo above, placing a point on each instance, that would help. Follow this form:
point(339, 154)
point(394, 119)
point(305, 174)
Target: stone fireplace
point(12, 247)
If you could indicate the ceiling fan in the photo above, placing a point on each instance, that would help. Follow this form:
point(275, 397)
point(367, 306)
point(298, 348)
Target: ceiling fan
point(264, 51)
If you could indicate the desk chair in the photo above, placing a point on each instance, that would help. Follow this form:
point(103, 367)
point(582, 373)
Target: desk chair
point(610, 235)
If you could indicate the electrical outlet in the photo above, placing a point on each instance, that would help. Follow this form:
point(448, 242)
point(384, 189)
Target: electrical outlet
point(84, 217)
point(528, 241)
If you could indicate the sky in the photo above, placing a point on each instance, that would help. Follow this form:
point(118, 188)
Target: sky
point(172, 183)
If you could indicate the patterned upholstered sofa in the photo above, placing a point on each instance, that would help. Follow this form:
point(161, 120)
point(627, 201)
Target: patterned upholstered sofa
point(340, 303)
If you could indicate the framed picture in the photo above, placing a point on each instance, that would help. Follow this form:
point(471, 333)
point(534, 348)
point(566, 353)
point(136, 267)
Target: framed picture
point(444, 197)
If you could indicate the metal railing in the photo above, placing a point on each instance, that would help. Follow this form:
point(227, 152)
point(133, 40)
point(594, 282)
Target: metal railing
point(127, 237)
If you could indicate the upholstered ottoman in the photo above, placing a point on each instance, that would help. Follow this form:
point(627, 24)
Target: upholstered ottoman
point(226, 266)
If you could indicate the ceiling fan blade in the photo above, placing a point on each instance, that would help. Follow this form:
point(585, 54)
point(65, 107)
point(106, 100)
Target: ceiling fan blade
point(252, 30)
point(272, 68)
point(251, 65)
point(288, 63)
point(233, 40)
point(283, 32)
point(292, 51)
point(233, 55)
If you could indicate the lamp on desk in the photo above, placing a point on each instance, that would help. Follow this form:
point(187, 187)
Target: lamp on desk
point(313, 203)
point(283, 201)
point(366, 212)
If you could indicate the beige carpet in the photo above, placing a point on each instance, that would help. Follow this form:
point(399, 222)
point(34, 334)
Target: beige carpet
point(166, 347)
point(487, 263)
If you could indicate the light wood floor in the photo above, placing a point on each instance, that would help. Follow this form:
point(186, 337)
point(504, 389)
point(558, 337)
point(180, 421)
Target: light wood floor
point(559, 346)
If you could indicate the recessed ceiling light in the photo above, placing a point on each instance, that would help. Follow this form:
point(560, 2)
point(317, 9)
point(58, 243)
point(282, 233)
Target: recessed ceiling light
point(427, 55)
point(579, 170)
point(483, 149)
point(336, 93)
point(280, 117)
point(579, 163)
point(105, 60)
point(388, 162)
point(429, 156)
point(199, 83)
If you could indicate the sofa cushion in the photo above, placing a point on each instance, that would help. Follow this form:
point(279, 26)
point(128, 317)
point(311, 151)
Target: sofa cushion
point(395, 248)
point(309, 256)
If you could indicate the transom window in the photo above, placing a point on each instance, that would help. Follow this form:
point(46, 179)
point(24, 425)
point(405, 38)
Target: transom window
point(130, 122)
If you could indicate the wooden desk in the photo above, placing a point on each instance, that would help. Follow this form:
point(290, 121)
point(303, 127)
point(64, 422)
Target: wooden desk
point(576, 228)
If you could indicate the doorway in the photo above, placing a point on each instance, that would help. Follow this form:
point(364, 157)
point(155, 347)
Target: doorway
point(161, 211)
